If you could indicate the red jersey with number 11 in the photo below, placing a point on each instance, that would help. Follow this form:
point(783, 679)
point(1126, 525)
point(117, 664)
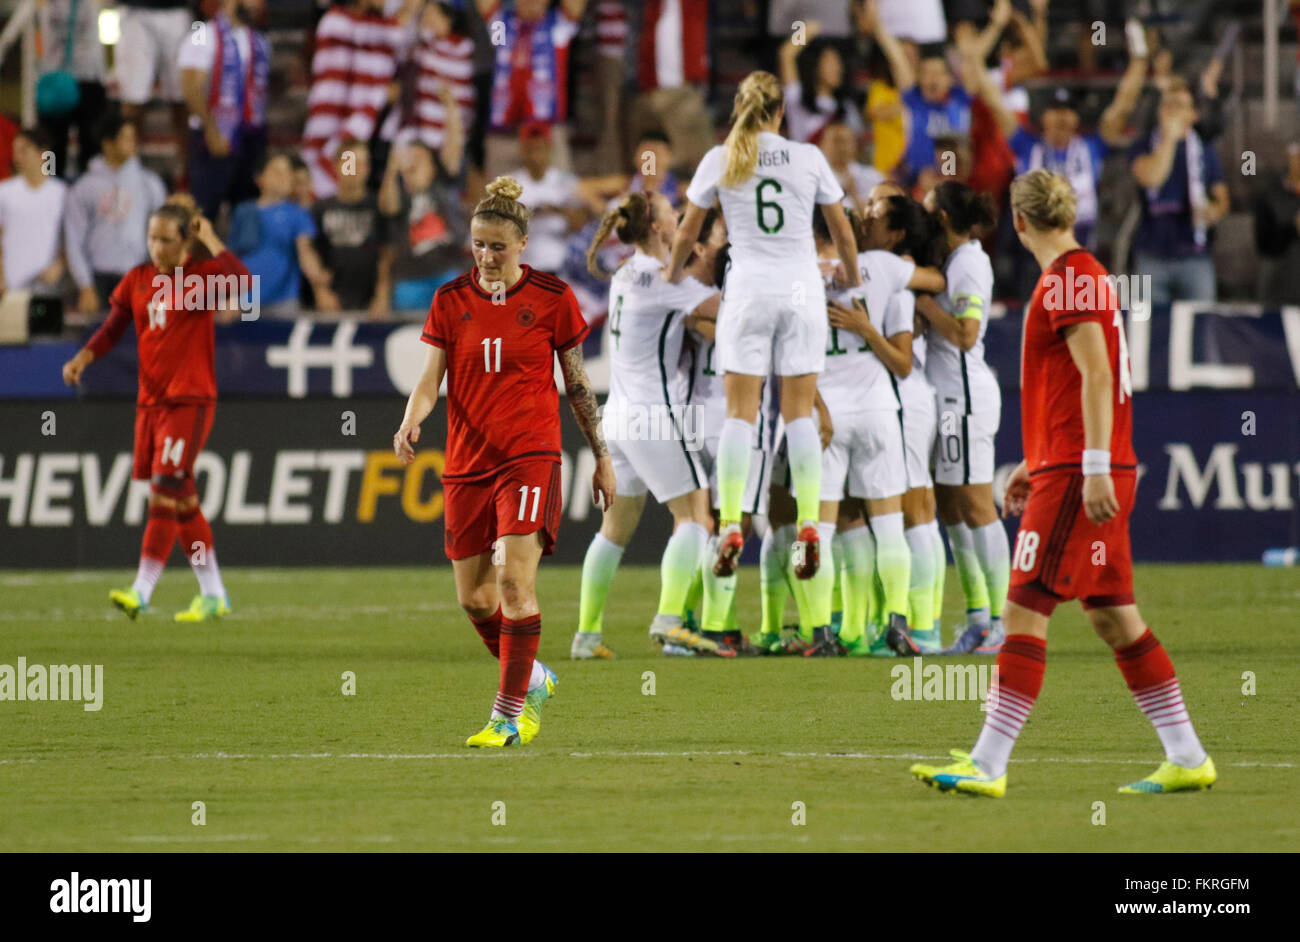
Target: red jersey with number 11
point(502, 404)
point(1073, 289)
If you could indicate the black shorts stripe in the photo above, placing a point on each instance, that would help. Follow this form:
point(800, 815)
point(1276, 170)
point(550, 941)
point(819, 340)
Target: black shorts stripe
point(758, 491)
point(668, 403)
point(965, 450)
point(1077, 469)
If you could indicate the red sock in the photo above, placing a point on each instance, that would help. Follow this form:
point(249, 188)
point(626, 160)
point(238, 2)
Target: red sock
point(193, 528)
point(159, 534)
point(489, 629)
point(1020, 667)
point(518, 649)
point(1144, 663)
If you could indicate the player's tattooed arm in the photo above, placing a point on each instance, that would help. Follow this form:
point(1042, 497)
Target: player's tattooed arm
point(582, 399)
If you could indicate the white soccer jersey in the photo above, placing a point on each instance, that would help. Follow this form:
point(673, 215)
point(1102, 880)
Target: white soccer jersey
point(769, 216)
point(962, 379)
point(854, 377)
point(646, 328)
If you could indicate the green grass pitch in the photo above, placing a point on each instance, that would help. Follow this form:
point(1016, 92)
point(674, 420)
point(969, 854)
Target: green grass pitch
point(248, 716)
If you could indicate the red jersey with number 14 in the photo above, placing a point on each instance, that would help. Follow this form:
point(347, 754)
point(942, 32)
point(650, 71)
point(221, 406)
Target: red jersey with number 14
point(1073, 289)
point(502, 404)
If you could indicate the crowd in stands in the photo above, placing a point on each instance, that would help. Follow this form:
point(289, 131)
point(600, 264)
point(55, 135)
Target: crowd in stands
point(414, 104)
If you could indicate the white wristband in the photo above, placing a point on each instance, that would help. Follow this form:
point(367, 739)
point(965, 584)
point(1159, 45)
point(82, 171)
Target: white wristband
point(1096, 461)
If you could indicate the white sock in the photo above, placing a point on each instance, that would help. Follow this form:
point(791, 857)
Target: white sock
point(990, 542)
point(208, 574)
point(147, 577)
point(538, 677)
point(735, 447)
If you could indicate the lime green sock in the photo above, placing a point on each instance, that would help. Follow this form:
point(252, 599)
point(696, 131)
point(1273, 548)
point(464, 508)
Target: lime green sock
point(856, 551)
point(990, 544)
point(968, 566)
point(822, 584)
point(735, 446)
point(893, 562)
point(773, 585)
point(695, 594)
point(598, 569)
point(920, 591)
point(719, 592)
point(940, 568)
point(681, 560)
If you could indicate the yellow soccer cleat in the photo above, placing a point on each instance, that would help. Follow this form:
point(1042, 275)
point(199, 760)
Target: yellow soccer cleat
point(204, 608)
point(961, 776)
point(530, 721)
point(1173, 778)
point(498, 733)
point(129, 601)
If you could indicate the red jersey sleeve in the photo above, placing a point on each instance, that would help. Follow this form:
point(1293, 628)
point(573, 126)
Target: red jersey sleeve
point(435, 333)
point(570, 326)
point(1085, 293)
point(119, 318)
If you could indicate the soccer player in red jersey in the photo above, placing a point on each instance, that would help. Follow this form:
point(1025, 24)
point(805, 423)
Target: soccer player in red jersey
point(177, 396)
point(494, 333)
point(1075, 489)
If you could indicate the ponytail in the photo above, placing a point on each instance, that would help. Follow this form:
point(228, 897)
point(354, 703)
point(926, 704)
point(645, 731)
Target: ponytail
point(630, 221)
point(757, 102)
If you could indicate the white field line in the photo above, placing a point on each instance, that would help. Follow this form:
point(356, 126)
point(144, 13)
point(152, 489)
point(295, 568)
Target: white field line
point(637, 754)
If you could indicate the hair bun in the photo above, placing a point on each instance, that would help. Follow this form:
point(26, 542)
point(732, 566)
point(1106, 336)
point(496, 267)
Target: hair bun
point(505, 187)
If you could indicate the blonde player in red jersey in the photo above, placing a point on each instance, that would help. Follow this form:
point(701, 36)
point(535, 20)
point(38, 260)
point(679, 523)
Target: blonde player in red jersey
point(494, 333)
point(1075, 489)
point(177, 397)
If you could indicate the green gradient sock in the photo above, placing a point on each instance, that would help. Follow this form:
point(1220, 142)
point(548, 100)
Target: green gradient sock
point(695, 594)
point(940, 567)
point(681, 560)
point(920, 591)
point(968, 566)
point(893, 563)
point(856, 550)
point(822, 584)
point(804, 448)
point(598, 569)
point(994, 555)
point(773, 585)
point(735, 446)
point(719, 592)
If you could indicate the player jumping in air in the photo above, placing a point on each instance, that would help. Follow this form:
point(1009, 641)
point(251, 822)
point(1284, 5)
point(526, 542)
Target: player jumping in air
point(1075, 488)
point(494, 333)
point(647, 426)
point(773, 318)
point(176, 400)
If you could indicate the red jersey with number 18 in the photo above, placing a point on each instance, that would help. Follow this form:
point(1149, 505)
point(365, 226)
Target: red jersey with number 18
point(502, 404)
point(1073, 289)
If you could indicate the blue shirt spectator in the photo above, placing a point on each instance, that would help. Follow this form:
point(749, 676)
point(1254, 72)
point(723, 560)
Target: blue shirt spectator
point(266, 240)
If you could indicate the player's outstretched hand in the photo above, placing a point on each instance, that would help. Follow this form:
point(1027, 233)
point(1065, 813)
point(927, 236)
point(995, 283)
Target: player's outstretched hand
point(404, 442)
point(73, 369)
point(1017, 492)
point(1099, 501)
point(602, 483)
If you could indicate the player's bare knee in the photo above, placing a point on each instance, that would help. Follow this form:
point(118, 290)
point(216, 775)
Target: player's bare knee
point(517, 592)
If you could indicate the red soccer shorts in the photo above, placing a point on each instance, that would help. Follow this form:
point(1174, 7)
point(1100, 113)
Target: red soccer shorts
point(522, 498)
point(168, 439)
point(1060, 554)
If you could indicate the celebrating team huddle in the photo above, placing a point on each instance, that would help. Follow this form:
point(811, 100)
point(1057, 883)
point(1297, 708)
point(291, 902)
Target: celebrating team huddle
point(784, 368)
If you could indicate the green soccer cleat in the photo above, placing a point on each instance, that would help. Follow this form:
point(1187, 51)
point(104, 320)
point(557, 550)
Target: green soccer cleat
point(530, 721)
point(1173, 778)
point(764, 641)
point(498, 733)
point(929, 640)
point(129, 601)
point(961, 776)
point(205, 608)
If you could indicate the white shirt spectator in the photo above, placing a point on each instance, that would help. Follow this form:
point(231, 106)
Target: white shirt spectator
point(921, 21)
point(199, 51)
point(548, 232)
point(32, 220)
